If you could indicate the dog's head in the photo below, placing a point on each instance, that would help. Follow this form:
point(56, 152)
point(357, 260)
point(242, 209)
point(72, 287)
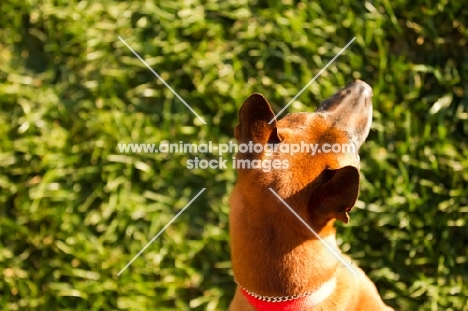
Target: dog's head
point(320, 182)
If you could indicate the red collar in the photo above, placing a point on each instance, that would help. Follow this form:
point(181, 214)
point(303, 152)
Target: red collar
point(303, 303)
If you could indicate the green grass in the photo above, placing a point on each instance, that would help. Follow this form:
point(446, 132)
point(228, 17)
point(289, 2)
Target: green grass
point(74, 211)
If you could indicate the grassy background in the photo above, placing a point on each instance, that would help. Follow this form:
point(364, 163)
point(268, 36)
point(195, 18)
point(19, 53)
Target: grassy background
point(74, 211)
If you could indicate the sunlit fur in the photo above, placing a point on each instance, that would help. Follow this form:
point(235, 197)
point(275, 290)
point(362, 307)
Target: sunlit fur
point(273, 254)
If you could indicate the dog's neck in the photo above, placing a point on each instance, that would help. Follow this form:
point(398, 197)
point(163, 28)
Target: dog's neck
point(276, 255)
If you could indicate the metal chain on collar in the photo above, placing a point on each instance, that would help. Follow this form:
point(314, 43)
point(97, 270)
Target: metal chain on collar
point(278, 298)
point(272, 298)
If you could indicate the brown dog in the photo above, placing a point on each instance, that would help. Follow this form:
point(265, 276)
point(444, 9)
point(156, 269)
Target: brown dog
point(278, 262)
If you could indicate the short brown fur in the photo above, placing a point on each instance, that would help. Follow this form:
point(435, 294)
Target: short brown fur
point(273, 254)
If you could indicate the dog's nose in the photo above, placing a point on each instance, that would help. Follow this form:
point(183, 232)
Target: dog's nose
point(352, 109)
point(363, 88)
point(355, 95)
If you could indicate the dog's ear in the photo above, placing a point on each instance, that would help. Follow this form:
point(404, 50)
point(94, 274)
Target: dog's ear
point(336, 195)
point(254, 116)
point(351, 109)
